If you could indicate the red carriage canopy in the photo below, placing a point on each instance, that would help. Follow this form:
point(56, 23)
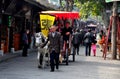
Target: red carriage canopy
point(63, 14)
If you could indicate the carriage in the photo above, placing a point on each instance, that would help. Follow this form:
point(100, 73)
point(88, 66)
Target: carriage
point(60, 18)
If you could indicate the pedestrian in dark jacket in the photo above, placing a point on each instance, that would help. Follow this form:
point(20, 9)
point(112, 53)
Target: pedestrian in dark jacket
point(76, 40)
point(88, 40)
point(25, 43)
point(66, 32)
point(55, 47)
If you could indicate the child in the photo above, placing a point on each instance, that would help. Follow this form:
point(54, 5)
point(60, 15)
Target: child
point(93, 46)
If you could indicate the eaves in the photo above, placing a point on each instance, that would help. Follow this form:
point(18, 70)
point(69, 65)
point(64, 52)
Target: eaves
point(39, 5)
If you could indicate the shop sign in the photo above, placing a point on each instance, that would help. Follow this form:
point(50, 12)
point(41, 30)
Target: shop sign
point(111, 0)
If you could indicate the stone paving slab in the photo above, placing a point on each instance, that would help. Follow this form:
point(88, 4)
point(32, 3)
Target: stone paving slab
point(85, 67)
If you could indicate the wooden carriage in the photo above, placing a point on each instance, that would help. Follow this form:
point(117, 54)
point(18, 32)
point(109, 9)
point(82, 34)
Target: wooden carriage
point(59, 16)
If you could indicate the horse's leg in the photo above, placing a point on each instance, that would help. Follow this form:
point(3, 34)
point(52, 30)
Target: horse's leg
point(39, 64)
point(44, 60)
point(48, 57)
point(41, 59)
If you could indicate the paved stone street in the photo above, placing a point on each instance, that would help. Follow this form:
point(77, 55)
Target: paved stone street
point(89, 67)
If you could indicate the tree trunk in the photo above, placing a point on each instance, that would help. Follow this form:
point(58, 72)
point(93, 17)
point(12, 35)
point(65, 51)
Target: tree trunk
point(67, 5)
point(105, 17)
point(61, 7)
point(114, 31)
point(71, 5)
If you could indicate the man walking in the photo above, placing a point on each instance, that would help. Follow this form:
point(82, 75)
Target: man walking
point(76, 40)
point(55, 47)
point(88, 40)
point(25, 43)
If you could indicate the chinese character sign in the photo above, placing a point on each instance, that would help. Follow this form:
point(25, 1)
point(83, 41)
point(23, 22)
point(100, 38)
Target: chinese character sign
point(46, 21)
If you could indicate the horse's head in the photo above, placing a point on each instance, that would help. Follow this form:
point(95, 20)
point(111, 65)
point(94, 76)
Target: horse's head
point(39, 39)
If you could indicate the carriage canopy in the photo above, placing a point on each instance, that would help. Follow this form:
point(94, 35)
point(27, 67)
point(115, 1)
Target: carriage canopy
point(47, 18)
point(63, 14)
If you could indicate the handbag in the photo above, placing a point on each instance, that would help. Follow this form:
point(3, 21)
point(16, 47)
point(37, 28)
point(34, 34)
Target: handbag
point(101, 41)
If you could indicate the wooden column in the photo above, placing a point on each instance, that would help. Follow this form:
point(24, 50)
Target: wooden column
point(114, 31)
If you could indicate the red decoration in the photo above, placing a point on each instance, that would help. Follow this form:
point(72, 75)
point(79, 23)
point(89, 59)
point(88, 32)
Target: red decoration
point(63, 14)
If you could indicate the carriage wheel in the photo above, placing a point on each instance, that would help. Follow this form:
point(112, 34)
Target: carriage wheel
point(67, 57)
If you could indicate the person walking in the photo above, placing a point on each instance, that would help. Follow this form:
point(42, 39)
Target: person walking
point(101, 40)
point(88, 40)
point(76, 40)
point(55, 47)
point(109, 39)
point(32, 43)
point(25, 43)
point(93, 46)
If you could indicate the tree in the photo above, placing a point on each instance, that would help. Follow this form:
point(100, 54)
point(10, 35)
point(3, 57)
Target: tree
point(67, 5)
point(93, 8)
point(89, 7)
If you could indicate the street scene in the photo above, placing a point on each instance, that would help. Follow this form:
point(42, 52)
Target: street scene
point(83, 68)
point(59, 39)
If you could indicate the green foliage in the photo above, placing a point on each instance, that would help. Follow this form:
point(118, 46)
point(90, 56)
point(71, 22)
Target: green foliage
point(89, 7)
point(63, 3)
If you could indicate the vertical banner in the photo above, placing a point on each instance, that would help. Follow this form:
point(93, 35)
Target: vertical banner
point(46, 21)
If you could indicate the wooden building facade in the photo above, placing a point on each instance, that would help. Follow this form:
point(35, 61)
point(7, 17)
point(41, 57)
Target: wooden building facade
point(15, 17)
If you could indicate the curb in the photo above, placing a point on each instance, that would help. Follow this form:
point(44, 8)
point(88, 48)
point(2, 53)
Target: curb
point(18, 53)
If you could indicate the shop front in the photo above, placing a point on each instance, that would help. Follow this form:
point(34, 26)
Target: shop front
point(11, 28)
point(15, 17)
point(12, 23)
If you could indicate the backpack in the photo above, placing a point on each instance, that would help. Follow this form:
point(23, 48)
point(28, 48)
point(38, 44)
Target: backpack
point(75, 39)
point(88, 38)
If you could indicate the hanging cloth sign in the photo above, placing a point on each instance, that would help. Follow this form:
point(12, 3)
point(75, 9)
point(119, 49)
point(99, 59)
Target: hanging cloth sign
point(46, 21)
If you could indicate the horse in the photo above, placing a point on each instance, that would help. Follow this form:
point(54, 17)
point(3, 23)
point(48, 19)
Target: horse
point(43, 55)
